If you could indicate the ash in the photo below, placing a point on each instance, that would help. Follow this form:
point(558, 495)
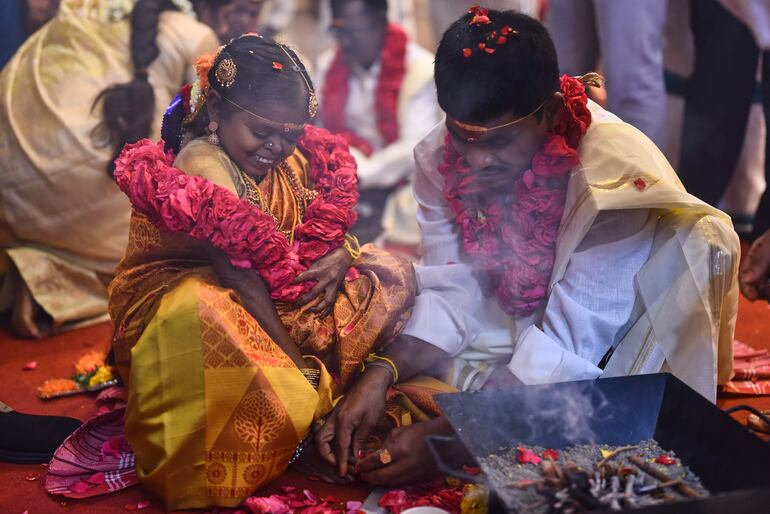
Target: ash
point(590, 478)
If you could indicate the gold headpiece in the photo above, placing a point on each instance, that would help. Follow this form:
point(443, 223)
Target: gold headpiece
point(480, 129)
point(287, 127)
point(312, 102)
point(226, 72)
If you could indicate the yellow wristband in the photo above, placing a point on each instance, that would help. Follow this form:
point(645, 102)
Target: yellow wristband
point(374, 357)
point(352, 246)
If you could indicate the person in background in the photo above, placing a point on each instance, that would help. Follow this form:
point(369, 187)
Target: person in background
point(710, 167)
point(377, 91)
point(627, 37)
point(97, 76)
point(19, 19)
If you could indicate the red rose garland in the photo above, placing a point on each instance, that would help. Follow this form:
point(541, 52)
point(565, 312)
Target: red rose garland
point(392, 72)
point(179, 202)
point(511, 238)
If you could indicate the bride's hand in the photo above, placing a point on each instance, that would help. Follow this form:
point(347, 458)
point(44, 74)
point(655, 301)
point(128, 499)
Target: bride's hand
point(329, 271)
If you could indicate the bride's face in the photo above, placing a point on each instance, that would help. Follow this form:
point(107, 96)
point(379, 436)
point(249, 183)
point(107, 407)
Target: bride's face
point(254, 143)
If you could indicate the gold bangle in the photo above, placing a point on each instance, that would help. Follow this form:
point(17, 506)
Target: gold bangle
point(374, 357)
point(352, 246)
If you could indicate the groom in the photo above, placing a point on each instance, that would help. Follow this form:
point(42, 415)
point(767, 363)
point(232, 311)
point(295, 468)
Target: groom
point(559, 245)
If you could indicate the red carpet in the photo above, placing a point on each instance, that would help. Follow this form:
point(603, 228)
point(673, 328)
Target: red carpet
point(55, 357)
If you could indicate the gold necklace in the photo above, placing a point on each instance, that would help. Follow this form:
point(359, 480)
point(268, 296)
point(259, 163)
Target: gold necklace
point(302, 194)
point(254, 196)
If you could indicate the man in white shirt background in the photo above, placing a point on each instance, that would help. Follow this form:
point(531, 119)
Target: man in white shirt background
point(376, 89)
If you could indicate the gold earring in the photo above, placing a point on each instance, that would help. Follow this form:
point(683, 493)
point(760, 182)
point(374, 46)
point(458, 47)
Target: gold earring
point(213, 138)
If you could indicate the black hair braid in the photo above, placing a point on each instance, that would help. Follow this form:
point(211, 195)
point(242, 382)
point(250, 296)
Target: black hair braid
point(128, 109)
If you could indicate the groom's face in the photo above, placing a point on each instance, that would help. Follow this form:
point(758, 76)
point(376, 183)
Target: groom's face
point(499, 156)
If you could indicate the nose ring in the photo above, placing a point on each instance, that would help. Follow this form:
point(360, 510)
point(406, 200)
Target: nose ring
point(269, 144)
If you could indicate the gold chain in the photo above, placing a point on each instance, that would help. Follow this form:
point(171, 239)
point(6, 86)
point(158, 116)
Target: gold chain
point(302, 194)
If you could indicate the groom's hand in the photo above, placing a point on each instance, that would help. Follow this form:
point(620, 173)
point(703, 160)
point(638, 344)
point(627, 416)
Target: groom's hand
point(348, 427)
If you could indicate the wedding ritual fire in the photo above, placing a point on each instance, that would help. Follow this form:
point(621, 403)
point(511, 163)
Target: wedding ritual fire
point(590, 478)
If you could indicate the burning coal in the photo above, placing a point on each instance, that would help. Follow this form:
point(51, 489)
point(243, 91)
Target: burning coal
point(590, 477)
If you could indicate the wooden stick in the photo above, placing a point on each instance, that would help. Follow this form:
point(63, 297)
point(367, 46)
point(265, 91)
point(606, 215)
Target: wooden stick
point(659, 475)
point(524, 484)
point(614, 453)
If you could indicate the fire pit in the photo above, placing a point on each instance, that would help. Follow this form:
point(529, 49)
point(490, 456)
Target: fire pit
point(732, 464)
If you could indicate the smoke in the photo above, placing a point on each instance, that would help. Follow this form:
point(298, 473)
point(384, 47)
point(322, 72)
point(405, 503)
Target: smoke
point(554, 415)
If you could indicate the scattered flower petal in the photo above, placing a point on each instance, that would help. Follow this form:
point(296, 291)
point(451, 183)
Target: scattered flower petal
point(666, 460)
point(640, 184)
point(277, 65)
point(274, 504)
point(482, 46)
point(502, 40)
point(30, 366)
point(551, 454)
point(467, 52)
point(31, 477)
point(605, 453)
point(489, 50)
point(472, 470)
point(354, 505)
point(527, 456)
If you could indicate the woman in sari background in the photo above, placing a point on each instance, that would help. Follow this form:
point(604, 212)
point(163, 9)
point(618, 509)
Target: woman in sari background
point(236, 302)
point(94, 78)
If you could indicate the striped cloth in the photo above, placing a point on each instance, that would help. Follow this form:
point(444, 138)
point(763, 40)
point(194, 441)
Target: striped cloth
point(752, 371)
point(95, 459)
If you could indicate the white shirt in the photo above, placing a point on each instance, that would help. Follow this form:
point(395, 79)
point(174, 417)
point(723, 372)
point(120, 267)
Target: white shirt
point(389, 164)
point(587, 312)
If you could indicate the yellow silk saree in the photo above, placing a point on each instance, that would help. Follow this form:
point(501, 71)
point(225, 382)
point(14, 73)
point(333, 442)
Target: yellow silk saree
point(215, 408)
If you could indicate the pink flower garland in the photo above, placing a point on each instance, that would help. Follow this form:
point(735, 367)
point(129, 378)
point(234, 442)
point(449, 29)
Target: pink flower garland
point(178, 202)
point(513, 248)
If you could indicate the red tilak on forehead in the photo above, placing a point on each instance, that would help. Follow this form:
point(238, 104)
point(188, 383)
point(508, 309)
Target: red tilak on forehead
point(481, 18)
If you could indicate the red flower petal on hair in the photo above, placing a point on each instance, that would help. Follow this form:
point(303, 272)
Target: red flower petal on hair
point(666, 460)
point(489, 50)
point(527, 456)
point(277, 66)
point(640, 184)
point(551, 454)
point(480, 19)
point(30, 366)
point(506, 30)
point(502, 40)
point(467, 52)
point(482, 46)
